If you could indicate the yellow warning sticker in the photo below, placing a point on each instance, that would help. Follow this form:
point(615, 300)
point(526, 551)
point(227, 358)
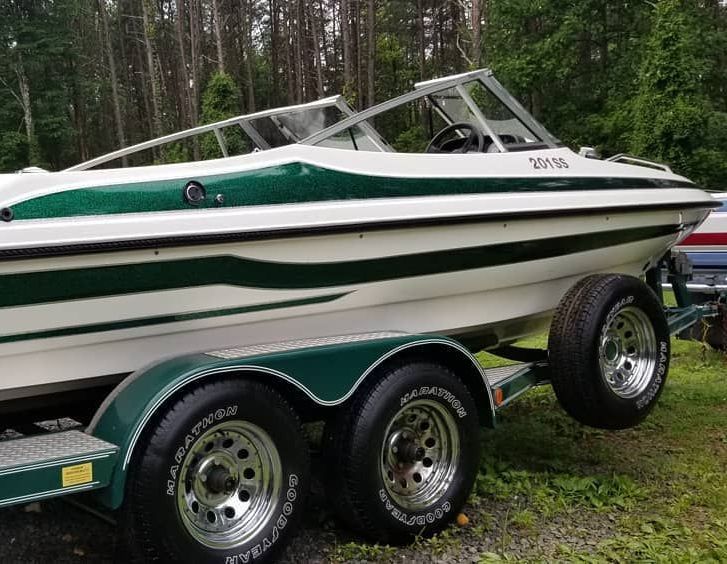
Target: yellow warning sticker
point(75, 475)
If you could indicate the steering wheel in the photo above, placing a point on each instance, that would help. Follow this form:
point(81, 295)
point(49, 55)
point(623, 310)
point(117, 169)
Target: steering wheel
point(459, 145)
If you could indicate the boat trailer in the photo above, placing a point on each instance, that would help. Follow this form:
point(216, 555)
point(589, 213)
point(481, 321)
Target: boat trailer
point(102, 456)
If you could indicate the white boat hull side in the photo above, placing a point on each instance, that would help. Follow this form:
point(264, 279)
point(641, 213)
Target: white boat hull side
point(449, 302)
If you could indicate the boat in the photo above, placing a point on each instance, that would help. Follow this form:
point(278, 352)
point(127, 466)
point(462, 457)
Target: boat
point(704, 256)
point(707, 251)
point(324, 229)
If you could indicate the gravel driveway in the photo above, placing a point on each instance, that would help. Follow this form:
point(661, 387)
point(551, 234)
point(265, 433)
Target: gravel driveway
point(57, 531)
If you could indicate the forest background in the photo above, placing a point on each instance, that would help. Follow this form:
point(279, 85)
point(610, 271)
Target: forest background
point(79, 78)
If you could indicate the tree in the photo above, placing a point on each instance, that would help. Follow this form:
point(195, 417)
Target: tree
point(671, 112)
point(219, 102)
point(80, 78)
point(113, 77)
point(147, 10)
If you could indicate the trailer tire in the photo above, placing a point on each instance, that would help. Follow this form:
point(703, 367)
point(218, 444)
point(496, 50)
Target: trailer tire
point(221, 476)
point(402, 457)
point(609, 351)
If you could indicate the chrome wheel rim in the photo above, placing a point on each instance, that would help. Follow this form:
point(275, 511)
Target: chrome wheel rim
point(627, 352)
point(229, 484)
point(420, 454)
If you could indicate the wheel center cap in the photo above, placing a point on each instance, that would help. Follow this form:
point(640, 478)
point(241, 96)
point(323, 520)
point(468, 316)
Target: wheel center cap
point(409, 451)
point(219, 480)
point(611, 350)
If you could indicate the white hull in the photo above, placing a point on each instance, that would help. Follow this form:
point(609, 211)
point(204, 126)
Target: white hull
point(508, 301)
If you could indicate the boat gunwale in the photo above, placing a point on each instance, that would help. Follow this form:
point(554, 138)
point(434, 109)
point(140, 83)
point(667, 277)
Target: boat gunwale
point(333, 229)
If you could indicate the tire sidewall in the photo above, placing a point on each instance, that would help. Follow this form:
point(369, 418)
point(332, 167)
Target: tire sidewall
point(631, 293)
point(168, 445)
point(410, 383)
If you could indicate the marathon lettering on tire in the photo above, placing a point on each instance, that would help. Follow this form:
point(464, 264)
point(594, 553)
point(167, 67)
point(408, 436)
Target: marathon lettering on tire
point(648, 396)
point(628, 300)
point(260, 548)
point(435, 391)
point(419, 520)
point(189, 439)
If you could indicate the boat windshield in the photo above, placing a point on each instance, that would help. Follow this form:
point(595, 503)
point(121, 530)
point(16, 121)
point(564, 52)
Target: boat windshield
point(235, 136)
point(439, 116)
point(291, 127)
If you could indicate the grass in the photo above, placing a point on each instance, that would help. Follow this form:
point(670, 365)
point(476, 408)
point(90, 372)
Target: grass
point(664, 483)
point(355, 551)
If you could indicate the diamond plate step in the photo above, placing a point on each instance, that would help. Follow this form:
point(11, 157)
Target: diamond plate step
point(508, 382)
point(53, 464)
point(498, 375)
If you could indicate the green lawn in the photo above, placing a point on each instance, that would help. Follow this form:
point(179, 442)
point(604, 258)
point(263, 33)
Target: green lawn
point(663, 485)
point(550, 489)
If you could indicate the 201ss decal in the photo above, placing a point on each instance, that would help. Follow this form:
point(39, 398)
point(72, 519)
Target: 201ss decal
point(547, 163)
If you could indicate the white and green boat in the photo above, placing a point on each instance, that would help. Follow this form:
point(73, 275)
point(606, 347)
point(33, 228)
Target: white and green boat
point(324, 277)
point(325, 231)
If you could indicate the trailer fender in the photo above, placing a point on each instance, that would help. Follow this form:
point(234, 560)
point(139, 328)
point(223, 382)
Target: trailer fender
point(327, 370)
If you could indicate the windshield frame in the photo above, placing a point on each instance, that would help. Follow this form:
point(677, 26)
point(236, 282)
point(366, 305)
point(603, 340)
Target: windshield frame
point(245, 122)
point(456, 82)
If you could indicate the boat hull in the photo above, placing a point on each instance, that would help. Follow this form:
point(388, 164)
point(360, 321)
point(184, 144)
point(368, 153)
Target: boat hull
point(69, 320)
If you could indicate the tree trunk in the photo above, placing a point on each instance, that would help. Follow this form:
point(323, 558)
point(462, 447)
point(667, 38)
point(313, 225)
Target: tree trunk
point(156, 124)
point(325, 50)
point(346, 39)
point(120, 137)
point(371, 60)
point(217, 26)
point(359, 54)
point(249, 51)
point(288, 58)
point(274, 48)
point(317, 50)
point(299, 30)
point(420, 37)
point(476, 53)
point(195, 52)
point(185, 100)
point(33, 149)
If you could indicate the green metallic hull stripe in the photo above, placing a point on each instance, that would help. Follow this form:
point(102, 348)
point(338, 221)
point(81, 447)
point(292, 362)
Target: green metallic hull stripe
point(63, 285)
point(164, 319)
point(296, 183)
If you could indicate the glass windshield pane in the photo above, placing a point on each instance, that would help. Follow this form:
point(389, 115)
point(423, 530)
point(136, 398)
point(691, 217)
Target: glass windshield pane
point(453, 106)
point(406, 128)
point(499, 117)
point(411, 125)
point(292, 127)
point(353, 139)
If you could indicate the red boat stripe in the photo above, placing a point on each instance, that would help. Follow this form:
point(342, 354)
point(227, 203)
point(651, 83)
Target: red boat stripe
point(706, 239)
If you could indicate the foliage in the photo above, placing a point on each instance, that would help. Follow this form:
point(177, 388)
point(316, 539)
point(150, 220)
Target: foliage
point(552, 492)
point(412, 140)
point(13, 150)
point(360, 551)
point(221, 101)
point(625, 76)
point(671, 112)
